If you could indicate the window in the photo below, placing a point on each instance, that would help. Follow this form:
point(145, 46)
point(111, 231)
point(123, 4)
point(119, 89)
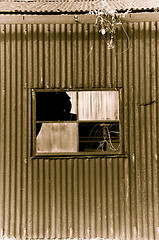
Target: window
point(76, 122)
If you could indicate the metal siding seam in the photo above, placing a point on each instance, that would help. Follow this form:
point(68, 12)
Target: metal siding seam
point(92, 199)
point(30, 169)
point(103, 199)
point(97, 57)
point(75, 198)
point(2, 129)
point(126, 127)
point(142, 131)
point(30, 200)
point(122, 212)
point(69, 180)
point(7, 138)
point(30, 56)
point(2, 146)
point(52, 199)
point(80, 55)
point(46, 60)
point(81, 197)
point(98, 196)
point(51, 55)
point(102, 61)
point(110, 199)
point(63, 56)
point(91, 56)
point(87, 197)
point(108, 65)
point(25, 142)
point(114, 64)
point(35, 57)
point(58, 200)
point(40, 29)
point(127, 200)
point(75, 55)
point(148, 130)
point(125, 44)
point(154, 126)
point(131, 131)
point(116, 198)
point(57, 55)
point(19, 86)
point(64, 198)
point(154, 130)
point(137, 128)
point(47, 198)
point(119, 58)
point(35, 197)
point(85, 56)
point(41, 203)
point(69, 56)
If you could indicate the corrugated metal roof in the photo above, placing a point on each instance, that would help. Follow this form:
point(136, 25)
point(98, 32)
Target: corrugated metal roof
point(80, 6)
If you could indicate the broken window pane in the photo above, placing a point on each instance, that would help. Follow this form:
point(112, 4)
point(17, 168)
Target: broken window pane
point(57, 137)
point(98, 105)
point(97, 136)
point(55, 106)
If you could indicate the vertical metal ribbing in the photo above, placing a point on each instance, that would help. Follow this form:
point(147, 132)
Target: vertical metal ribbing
point(98, 205)
point(65, 203)
point(131, 104)
point(35, 49)
point(142, 129)
point(24, 159)
point(63, 56)
point(96, 58)
point(87, 197)
point(69, 64)
point(76, 218)
point(46, 44)
point(2, 133)
point(40, 54)
point(85, 54)
point(148, 128)
point(80, 55)
point(7, 137)
point(52, 198)
point(136, 68)
point(125, 69)
point(153, 67)
point(96, 197)
point(2, 129)
point(102, 61)
point(91, 56)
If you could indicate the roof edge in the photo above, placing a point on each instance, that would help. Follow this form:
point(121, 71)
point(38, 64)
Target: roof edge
point(72, 19)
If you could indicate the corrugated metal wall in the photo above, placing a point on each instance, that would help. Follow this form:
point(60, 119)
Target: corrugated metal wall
point(80, 197)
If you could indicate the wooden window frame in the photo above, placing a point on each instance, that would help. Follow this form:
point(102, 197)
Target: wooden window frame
point(78, 153)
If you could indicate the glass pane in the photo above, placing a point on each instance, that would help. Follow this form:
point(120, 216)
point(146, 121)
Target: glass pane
point(56, 106)
point(57, 137)
point(97, 136)
point(73, 99)
point(98, 105)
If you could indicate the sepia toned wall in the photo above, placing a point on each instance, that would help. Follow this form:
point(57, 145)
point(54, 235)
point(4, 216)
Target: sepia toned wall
point(79, 196)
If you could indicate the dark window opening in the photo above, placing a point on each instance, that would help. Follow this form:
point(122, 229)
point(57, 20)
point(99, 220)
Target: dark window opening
point(99, 136)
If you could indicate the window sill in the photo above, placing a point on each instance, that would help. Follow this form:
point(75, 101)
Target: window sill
point(117, 154)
